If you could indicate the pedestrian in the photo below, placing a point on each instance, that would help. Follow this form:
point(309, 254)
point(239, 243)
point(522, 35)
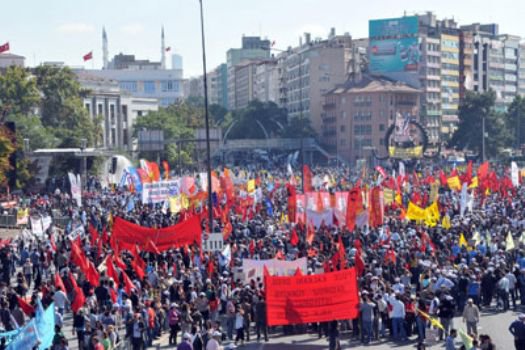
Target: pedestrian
point(186, 342)
point(173, 322)
point(449, 341)
point(471, 317)
point(517, 329)
point(214, 342)
point(239, 325)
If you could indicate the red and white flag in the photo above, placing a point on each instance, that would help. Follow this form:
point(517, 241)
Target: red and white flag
point(168, 49)
point(5, 47)
point(88, 56)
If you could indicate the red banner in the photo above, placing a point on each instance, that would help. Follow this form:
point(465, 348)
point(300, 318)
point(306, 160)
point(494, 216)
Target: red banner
point(128, 234)
point(315, 298)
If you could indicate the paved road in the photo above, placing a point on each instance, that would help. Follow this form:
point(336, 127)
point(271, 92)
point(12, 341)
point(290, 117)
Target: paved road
point(494, 324)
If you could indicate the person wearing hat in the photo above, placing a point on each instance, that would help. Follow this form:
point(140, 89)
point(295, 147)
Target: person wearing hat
point(214, 342)
point(471, 316)
point(186, 342)
point(517, 329)
point(173, 322)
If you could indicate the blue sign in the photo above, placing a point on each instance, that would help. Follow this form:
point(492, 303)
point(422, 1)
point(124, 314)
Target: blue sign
point(393, 27)
point(394, 55)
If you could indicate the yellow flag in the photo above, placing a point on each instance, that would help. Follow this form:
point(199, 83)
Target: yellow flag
point(175, 205)
point(454, 183)
point(399, 200)
point(284, 218)
point(509, 242)
point(250, 186)
point(434, 191)
point(476, 238)
point(432, 215)
point(415, 212)
point(445, 223)
point(474, 183)
point(462, 241)
point(433, 321)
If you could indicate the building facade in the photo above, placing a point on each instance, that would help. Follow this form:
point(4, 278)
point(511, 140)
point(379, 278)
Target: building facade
point(357, 114)
point(9, 59)
point(267, 81)
point(116, 110)
point(310, 71)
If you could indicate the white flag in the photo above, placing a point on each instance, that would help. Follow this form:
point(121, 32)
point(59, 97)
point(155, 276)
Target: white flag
point(515, 174)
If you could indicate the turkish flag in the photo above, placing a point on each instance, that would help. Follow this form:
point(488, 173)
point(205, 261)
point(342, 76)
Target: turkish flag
point(128, 284)
point(80, 298)
point(294, 239)
point(59, 283)
point(4, 48)
point(111, 272)
point(87, 56)
point(138, 269)
point(27, 308)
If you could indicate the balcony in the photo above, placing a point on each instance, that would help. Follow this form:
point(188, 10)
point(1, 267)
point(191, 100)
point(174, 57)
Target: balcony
point(329, 105)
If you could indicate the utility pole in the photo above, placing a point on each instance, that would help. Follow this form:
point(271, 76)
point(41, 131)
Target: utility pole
point(207, 121)
point(483, 139)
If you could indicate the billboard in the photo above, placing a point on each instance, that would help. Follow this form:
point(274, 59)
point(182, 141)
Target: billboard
point(395, 55)
point(394, 45)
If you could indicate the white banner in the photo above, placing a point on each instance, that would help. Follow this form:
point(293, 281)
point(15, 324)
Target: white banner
point(39, 225)
point(76, 188)
point(515, 174)
point(317, 218)
point(254, 269)
point(159, 191)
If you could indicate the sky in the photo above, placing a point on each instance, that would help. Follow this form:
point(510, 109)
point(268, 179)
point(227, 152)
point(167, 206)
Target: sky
point(65, 30)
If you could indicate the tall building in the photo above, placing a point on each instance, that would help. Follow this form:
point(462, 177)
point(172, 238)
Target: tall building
point(176, 61)
point(358, 113)
point(496, 62)
point(310, 71)
point(117, 110)
point(253, 49)
point(267, 81)
point(105, 52)
point(142, 78)
point(423, 52)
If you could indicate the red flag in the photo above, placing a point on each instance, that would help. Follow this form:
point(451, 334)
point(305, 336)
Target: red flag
point(354, 196)
point(310, 233)
point(59, 283)
point(118, 261)
point(307, 179)
point(166, 167)
point(251, 248)
point(92, 275)
point(483, 170)
point(294, 239)
point(139, 271)
point(468, 174)
point(80, 298)
point(292, 202)
point(93, 233)
point(341, 251)
point(113, 295)
point(381, 171)
point(151, 247)
point(88, 56)
point(279, 255)
point(128, 285)
point(78, 257)
point(111, 271)
point(52, 243)
point(298, 272)
point(390, 257)
point(210, 268)
point(227, 230)
point(137, 257)
point(443, 178)
point(27, 308)
point(4, 48)
point(359, 264)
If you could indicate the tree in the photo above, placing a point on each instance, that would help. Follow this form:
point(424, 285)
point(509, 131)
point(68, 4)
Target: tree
point(178, 121)
point(6, 149)
point(18, 91)
point(62, 108)
point(299, 127)
point(258, 120)
point(472, 110)
point(515, 118)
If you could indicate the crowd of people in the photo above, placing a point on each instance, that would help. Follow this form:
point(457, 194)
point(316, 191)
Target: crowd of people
point(413, 278)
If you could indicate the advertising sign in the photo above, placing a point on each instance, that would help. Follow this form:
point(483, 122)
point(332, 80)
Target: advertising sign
point(393, 27)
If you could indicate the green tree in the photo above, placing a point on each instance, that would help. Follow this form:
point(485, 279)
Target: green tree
point(258, 121)
point(62, 109)
point(178, 121)
point(6, 149)
point(472, 110)
point(18, 91)
point(516, 120)
point(299, 127)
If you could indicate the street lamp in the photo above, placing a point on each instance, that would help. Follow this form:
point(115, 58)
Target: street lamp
point(83, 145)
point(207, 121)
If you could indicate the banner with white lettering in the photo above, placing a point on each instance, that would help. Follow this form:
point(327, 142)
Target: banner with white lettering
point(254, 269)
point(159, 191)
point(76, 188)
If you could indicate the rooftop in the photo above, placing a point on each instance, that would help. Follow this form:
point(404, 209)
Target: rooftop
point(372, 83)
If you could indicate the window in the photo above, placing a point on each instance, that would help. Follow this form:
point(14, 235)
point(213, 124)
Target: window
point(169, 86)
point(362, 129)
point(88, 108)
point(381, 127)
point(130, 86)
point(99, 109)
point(125, 137)
point(113, 136)
point(112, 114)
point(125, 113)
point(149, 87)
point(342, 128)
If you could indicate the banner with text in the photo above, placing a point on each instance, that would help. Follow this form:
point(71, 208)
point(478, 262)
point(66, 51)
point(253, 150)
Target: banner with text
point(254, 269)
point(314, 298)
point(159, 191)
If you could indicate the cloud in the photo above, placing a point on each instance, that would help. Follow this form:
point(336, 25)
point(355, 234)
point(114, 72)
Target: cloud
point(132, 29)
point(76, 28)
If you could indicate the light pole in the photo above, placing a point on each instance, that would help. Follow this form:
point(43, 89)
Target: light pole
point(83, 145)
point(207, 121)
point(483, 157)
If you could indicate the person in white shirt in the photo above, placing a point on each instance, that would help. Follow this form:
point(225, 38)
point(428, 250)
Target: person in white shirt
point(398, 317)
point(399, 287)
point(60, 299)
point(503, 291)
point(512, 286)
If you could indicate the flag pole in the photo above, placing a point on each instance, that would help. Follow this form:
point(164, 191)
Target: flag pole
point(207, 121)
